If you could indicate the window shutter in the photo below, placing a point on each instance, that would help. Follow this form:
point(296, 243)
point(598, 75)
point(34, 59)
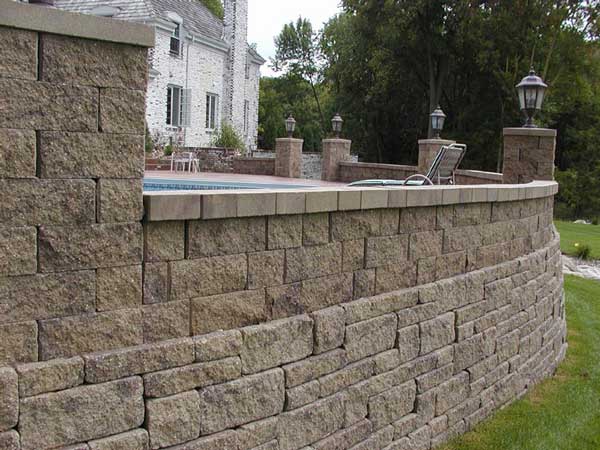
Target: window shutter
point(186, 111)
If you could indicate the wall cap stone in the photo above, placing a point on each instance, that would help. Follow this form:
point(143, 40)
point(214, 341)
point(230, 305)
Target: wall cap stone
point(51, 20)
point(436, 141)
point(540, 132)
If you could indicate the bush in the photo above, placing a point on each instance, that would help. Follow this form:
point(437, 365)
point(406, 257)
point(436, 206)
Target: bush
point(168, 150)
point(226, 137)
point(148, 142)
point(595, 221)
point(583, 251)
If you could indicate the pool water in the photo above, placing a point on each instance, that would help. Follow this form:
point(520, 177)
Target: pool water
point(160, 184)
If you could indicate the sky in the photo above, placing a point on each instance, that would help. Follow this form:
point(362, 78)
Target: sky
point(266, 18)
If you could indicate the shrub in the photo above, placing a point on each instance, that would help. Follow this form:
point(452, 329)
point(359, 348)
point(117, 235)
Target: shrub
point(148, 142)
point(226, 137)
point(168, 150)
point(595, 221)
point(583, 251)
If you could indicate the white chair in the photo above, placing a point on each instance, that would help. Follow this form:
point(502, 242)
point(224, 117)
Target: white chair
point(186, 161)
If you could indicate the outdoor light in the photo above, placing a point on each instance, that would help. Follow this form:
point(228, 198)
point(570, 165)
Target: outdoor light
point(336, 124)
point(290, 125)
point(531, 92)
point(437, 121)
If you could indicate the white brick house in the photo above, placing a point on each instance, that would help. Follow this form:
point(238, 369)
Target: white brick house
point(202, 74)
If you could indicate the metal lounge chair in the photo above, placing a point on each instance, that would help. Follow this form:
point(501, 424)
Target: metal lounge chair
point(441, 171)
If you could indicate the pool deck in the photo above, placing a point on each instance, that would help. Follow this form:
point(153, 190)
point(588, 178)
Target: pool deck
point(236, 177)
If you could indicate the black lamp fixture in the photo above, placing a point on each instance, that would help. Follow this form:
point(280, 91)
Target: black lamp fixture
point(336, 124)
point(437, 121)
point(290, 125)
point(531, 92)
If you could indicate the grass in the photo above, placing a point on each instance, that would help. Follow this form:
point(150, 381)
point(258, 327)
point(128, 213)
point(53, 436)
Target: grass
point(575, 233)
point(563, 412)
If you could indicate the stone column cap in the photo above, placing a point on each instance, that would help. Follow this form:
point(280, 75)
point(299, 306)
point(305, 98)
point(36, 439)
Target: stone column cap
point(337, 140)
point(436, 141)
point(286, 139)
point(540, 132)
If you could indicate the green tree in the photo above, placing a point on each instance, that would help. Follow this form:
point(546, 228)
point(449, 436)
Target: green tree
point(215, 6)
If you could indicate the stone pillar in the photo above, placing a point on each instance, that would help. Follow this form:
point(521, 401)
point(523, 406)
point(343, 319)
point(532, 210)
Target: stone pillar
point(528, 154)
point(288, 157)
point(428, 149)
point(334, 152)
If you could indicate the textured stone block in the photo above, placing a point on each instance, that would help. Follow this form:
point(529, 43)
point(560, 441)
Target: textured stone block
point(241, 401)
point(81, 414)
point(276, 343)
point(452, 392)
point(314, 367)
point(265, 269)
point(19, 59)
point(302, 395)
point(349, 375)
point(355, 224)
point(93, 63)
point(181, 379)
point(370, 336)
point(219, 275)
point(118, 288)
point(259, 203)
point(173, 420)
point(392, 405)
point(426, 244)
point(321, 201)
point(409, 343)
point(346, 437)
point(364, 283)
point(120, 200)
point(284, 301)
point(221, 344)
point(383, 251)
point(122, 111)
point(436, 333)
point(312, 262)
point(18, 251)
point(18, 343)
point(284, 232)
point(114, 364)
point(257, 433)
point(227, 311)
point(379, 305)
point(415, 220)
point(310, 423)
point(47, 202)
point(395, 276)
point(315, 229)
point(221, 441)
point(156, 283)
point(51, 376)
point(132, 440)
point(320, 293)
point(226, 237)
point(10, 440)
point(45, 106)
point(166, 321)
point(329, 329)
point(17, 151)
point(164, 241)
point(9, 398)
point(71, 336)
point(353, 255)
point(91, 155)
point(94, 246)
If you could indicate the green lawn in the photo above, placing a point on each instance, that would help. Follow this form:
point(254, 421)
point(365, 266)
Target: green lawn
point(561, 413)
point(572, 233)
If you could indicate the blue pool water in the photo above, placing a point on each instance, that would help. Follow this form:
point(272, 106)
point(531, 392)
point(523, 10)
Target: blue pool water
point(160, 184)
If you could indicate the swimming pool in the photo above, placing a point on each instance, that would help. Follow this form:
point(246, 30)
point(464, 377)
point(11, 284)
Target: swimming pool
point(161, 184)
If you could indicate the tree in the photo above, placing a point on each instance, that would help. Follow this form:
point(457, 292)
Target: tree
point(215, 6)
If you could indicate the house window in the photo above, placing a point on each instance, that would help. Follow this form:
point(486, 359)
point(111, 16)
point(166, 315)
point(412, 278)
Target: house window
point(178, 106)
point(176, 41)
point(246, 116)
point(212, 102)
point(247, 69)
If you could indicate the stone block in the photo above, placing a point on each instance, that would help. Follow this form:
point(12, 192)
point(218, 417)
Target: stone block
point(156, 283)
point(450, 265)
point(90, 247)
point(291, 202)
point(265, 269)
point(379, 305)
point(382, 251)
point(364, 283)
point(436, 333)
point(47, 202)
point(348, 376)
point(386, 361)
point(257, 433)
point(310, 423)
point(18, 343)
point(226, 440)
point(378, 440)
point(284, 301)
point(164, 241)
point(349, 200)
point(314, 367)
point(10, 440)
point(110, 365)
point(348, 225)
point(193, 376)
point(19, 59)
point(75, 335)
point(451, 393)
point(370, 337)
point(228, 311)
point(81, 414)
point(312, 262)
point(320, 293)
point(118, 288)
point(353, 255)
point(122, 111)
point(276, 343)
point(392, 405)
point(304, 394)
point(120, 200)
point(426, 244)
point(241, 401)
point(56, 375)
point(346, 437)
point(431, 379)
point(284, 232)
point(226, 237)
point(166, 321)
point(218, 345)
point(329, 329)
point(219, 205)
point(131, 440)
point(464, 238)
point(18, 251)
point(469, 352)
point(415, 220)
point(390, 221)
point(409, 343)
point(9, 398)
point(45, 106)
point(173, 420)
point(395, 276)
point(17, 151)
point(219, 275)
point(315, 229)
point(91, 155)
point(321, 201)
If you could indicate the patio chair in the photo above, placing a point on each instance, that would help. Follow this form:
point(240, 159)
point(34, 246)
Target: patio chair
point(183, 160)
point(441, 171)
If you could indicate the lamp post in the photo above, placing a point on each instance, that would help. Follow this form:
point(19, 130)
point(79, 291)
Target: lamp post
point(336, 124)
point(531, 92)
point(290, 126)
point(437, 121)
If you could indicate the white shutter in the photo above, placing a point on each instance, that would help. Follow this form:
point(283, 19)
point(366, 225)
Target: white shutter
point(186, 110)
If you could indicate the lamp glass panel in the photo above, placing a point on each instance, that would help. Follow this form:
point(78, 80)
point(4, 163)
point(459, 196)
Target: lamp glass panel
point(530, 97)
point(540, 97)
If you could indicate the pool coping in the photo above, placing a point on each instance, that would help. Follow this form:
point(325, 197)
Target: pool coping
point(196, 205)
